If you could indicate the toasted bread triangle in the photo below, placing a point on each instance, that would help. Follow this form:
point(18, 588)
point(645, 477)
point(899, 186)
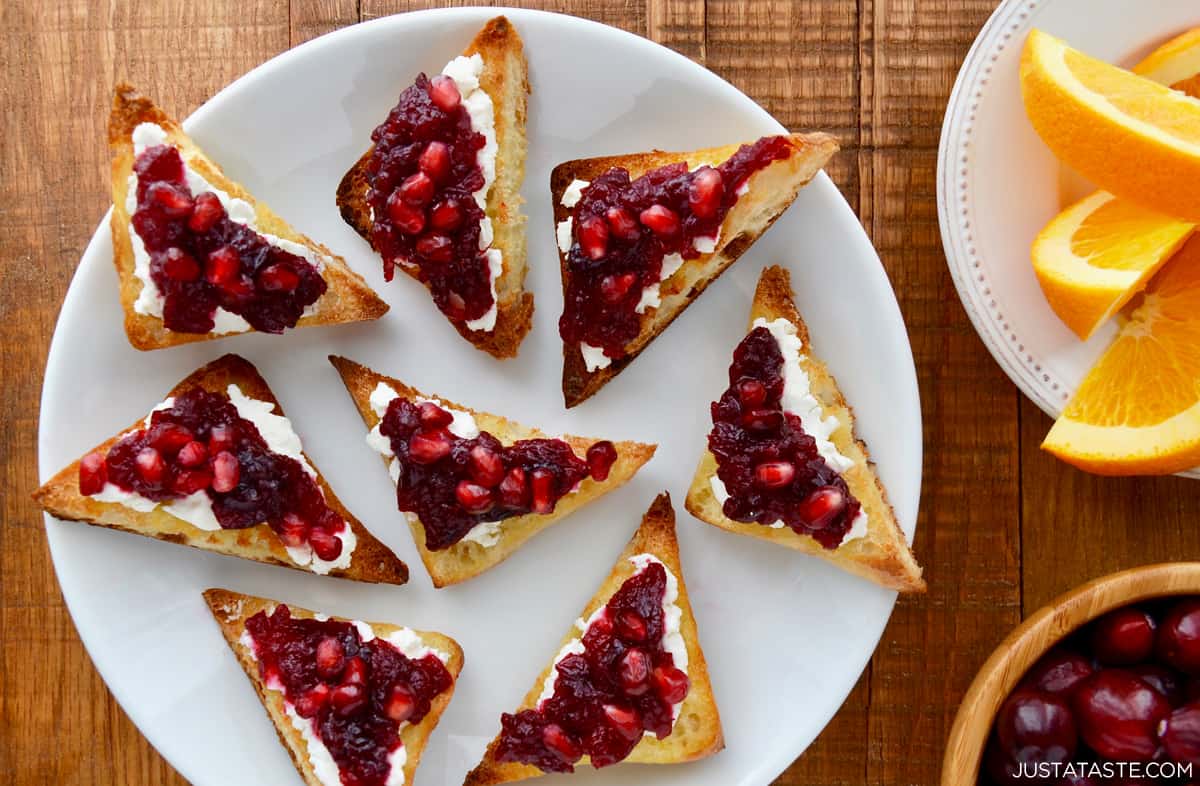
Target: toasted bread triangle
point(883, 556)
point(697, 732)
point(60, 497)
point(232, 609)
point(467, 559)
point(505, 78)
point(347, 298)
point(771, 190)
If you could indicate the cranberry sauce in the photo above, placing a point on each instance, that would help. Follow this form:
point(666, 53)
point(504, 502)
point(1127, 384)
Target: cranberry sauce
point(769, 466)
point(423, 173)
point(605, 698)
point(622, 230)
point(200, 443)
point(453, 484)
point(200, 259)
point(356, 693)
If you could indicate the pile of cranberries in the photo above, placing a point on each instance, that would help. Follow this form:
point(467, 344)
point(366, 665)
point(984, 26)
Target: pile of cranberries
point(356, 693)
point(623, 685)
point(200, 259)
point(769, 466)
point(453, 484)
point(624, 228)
point(201, 444)
point(1126, 688)
point(423, 173)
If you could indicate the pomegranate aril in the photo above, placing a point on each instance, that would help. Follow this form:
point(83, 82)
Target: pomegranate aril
point(331, 658)
point(325, 544)
point(593, 237)
point(223, 265)
point(193, 454)
point(624, 720)
point(622, 223)
point(355, 672)
point(189, 481)
point(238, 288)
point(226, 472)
point(762, 420)
point(400, 704)
point(600, 458)
point(408, 219)
point(444, 93)
point(671, 684)
point(556, 740)
point(221, 438)
point(446, 215)
point(308, 705)
point(662, 220)
point(278, 278)
point(774, 474)
point(293, 531)
point(206, 212)
point(436, 248)
point(473, 497)
point(173, 202)
point(514, 489)
point(433, 416)
point(435, 160)
point(705, 192)
point(751, 393)
point(821, 507)
point(543, 483)
point(614, 288)
point(631, 626)
point(169, 438)
point(347, 699)
point(417, 189)
point(633, 671)
point(150, 465)
point(180, 265)
point(93, 474)
point(426, 447)
point(487, 468)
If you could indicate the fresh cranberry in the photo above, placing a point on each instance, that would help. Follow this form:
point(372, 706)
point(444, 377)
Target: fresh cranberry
point(444, 93)
point(1162, 680)
point(1118, 715)
point(1122, 637)
point(1040, 721)
point(1059, 671)
point(92, 474)
point(1180, 734)
point(661, 220)
point(435, 160)
point(600, 458)
point(1177, 643)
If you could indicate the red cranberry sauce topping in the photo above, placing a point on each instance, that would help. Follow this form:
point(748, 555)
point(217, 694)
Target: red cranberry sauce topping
point(200, 443)
point(356, 693)
point(200, 259)
point(423, 174)
point(622, 229)
point(453, 484)
point(622, 685)
point(769, 466)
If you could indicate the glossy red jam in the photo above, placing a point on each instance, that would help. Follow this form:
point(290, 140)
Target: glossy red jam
point(200, 259)
point(356, 693)
point(423, 172)
point(453, 484)
point(621, 230)
point(606, 698)
point(769, 466)
point(200, 443)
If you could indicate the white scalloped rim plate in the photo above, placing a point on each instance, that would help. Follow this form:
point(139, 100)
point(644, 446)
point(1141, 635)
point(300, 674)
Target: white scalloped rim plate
point(786, 636)
point(998, 185)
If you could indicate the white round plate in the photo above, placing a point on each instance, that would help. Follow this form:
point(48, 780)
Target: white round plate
point(786, 636)
point(998, 184)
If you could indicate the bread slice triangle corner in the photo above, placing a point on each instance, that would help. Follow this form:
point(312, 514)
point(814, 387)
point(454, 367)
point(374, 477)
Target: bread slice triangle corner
point(467, 559)
point(883, 555)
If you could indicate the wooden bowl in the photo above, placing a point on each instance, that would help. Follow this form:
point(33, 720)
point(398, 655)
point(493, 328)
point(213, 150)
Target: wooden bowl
point(1033, 637)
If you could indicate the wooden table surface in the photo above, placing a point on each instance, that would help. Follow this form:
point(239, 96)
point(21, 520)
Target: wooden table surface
point(1003, 527)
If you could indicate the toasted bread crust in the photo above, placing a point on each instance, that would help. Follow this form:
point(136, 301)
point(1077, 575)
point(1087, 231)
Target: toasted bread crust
point(883, 556)
point(697, 732)
point(60, 497)
point(465, 559)
point(347, 298)
point(232, 609)
point(505, 78)
point(772, 189)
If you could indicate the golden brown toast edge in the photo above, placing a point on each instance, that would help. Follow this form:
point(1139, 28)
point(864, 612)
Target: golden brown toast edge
point(347, 299)
point(465, 560)
point(772, 190)
point(231, 610)
point(697, 732)
point(508, 85)
point(60, 497)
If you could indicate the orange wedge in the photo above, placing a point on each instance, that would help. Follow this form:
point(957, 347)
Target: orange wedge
point(1098, 253)
point(1131, 136)
point(1138, 410)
